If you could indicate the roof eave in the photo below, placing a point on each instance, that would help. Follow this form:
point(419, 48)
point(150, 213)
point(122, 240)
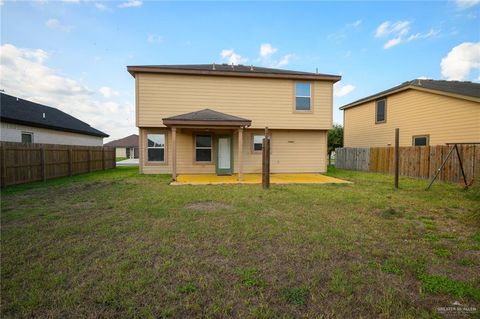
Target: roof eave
point(206, 123)
point(137, 69)
point(51, 127)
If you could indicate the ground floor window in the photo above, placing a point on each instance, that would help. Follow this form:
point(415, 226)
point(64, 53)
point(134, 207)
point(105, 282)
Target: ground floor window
point(420, 140)
point(258, 143)
point(156, 147)
point(203, 148)
point(27, 137)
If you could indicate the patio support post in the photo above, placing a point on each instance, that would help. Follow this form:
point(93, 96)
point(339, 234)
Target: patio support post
point(240, 154)
point(174, 153)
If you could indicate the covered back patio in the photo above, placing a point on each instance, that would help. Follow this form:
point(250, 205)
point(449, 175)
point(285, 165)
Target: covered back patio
point(213, 134)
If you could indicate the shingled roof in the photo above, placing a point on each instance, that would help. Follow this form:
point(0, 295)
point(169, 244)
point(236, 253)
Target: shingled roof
point(230, 70)
point(206, 117)
point(20, 111)
point(467, 90)
point(129, 141)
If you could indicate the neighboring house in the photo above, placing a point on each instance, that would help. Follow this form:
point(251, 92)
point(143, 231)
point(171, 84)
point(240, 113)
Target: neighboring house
point(125, 147)
point(29, 122)
point(427, 112)
point(210, 118)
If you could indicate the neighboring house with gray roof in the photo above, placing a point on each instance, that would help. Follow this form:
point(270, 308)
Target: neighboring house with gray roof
point(427, 112)
point(211, 118)
point(125, 147)
point(29, 122)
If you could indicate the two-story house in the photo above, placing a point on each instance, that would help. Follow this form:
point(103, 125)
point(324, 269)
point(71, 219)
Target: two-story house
point(427, 112)
point(210, 118)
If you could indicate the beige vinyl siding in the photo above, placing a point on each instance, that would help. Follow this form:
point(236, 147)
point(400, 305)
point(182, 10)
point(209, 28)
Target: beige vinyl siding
point(445, 119)
point(267, 102)
point(293, 151)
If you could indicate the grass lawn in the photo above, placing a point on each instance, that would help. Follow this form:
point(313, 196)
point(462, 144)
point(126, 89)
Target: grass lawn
point(117, 244)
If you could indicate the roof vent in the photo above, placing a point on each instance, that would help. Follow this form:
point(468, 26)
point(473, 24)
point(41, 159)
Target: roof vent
point(233, 66)
point(213, 66)
point(43, 114)
point(251, 67)
point(18, 99)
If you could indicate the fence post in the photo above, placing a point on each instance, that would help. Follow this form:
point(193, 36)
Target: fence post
point(397, 155)
point(70, 162)
point(103, 158)
point(44, 166)
point(89, 161)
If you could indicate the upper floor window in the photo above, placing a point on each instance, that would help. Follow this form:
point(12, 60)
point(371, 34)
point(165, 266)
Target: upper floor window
point(381, 111)
point(420, 140)
point(27, 137)
point(303, 96)
point(203, 148)
point(156, 147)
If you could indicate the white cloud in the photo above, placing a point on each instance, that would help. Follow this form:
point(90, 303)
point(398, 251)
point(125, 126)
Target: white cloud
point(396, 28)
point(130, 4)
point(398, 32)
point(152, 38)
point(24, 73)
point(340, 90)
point(266, 50)
point(461, 61)
point(100, 6)
point(284, 60)
point(464, 4)
point(52, 23)
point(108, 92)
point(55, 24)
point(355, 24)
point(392, 42)
point(419, 35)
point(232, 57)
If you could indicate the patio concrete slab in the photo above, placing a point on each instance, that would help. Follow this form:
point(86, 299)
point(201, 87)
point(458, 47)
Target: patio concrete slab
point(128, 162)
point(212, 179)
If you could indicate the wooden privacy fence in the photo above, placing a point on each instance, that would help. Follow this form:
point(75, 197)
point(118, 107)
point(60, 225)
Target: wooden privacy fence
point(415, 161)
point(24, 163)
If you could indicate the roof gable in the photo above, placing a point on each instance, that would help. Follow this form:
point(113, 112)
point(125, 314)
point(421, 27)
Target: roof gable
point(128, 141)
point(20, 111)
point(206, 116)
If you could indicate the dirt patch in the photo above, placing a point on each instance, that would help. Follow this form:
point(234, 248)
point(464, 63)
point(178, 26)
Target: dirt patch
point(208, 206)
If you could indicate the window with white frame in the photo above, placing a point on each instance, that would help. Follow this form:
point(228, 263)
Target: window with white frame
point(203, 148)
point(156, 147)
point(420, 140)
point(258, 142)
point(27, 137)
point(302, 96)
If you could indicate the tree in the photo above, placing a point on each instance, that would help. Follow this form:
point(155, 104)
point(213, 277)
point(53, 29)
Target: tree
point(335, 139)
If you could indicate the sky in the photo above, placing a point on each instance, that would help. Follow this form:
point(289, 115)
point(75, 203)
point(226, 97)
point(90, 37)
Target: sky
point(73, 54)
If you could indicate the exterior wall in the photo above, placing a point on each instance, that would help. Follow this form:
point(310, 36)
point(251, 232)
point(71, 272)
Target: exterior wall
point(120, 152)
point(267, 102)
point(292, 151)
point(445, 119)
point(13, 133)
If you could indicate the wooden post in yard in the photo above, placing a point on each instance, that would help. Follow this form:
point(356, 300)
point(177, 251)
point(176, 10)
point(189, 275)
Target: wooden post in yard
point(70, 162)
point(174, 153)
point(266, 160)
point(397, 155)
point(44, 166)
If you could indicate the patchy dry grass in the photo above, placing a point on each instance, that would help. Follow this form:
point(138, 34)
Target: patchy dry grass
point(116, 244)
